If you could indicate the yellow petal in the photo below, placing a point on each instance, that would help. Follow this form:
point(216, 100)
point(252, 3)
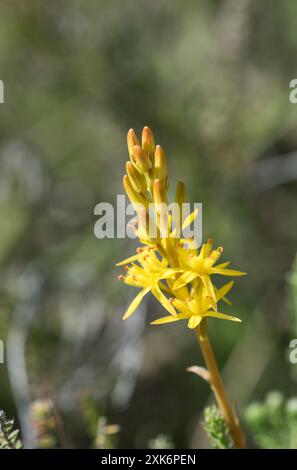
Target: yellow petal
point(135, 302)
point(181, 306)
point(223, 265)
point(130, 260)
point(189, 219)
point(209, 289)
point(163, 300)
point(190, 244)
point(146, 241)
point(227, 272)
point(184, 279)
point(169, 273)
point(170, 319)
point(214, 256)
point(205, 250)
point(226, 300)
point(194, 321)
point(224, 290)
point(222, 316)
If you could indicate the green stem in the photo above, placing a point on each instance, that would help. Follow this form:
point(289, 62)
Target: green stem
point(218, 387)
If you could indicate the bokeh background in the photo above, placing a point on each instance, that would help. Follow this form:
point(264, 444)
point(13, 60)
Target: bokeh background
point(211, 78)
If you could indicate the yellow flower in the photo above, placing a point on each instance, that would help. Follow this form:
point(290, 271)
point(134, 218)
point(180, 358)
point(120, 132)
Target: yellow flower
point(148, 274)
point(202, 265)
point(197, 307)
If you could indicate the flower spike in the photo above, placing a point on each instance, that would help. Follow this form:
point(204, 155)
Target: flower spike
point(171, 267)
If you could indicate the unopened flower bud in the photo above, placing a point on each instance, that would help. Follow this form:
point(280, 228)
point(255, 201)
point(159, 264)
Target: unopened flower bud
point(137, 180)
point(180, 193)
point(160, 164)
point(141, 160)
point(147, 140)
point(135, 198)
point(131, 141)
point(159, 192)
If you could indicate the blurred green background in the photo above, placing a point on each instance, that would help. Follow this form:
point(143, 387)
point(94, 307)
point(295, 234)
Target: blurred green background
point(211, 78)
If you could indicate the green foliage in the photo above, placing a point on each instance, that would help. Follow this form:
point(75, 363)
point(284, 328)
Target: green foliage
point(102, 434)
point(217, 429)
point(44, 421)
point(105, 438)
point(8, 436)
point(90, 414)
point(273, 423)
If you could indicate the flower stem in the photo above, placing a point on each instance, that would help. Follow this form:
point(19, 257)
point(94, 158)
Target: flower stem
point(218, 387)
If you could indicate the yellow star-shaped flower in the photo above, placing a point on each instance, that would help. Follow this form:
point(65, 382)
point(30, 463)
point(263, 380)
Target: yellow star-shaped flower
point(197, 307)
